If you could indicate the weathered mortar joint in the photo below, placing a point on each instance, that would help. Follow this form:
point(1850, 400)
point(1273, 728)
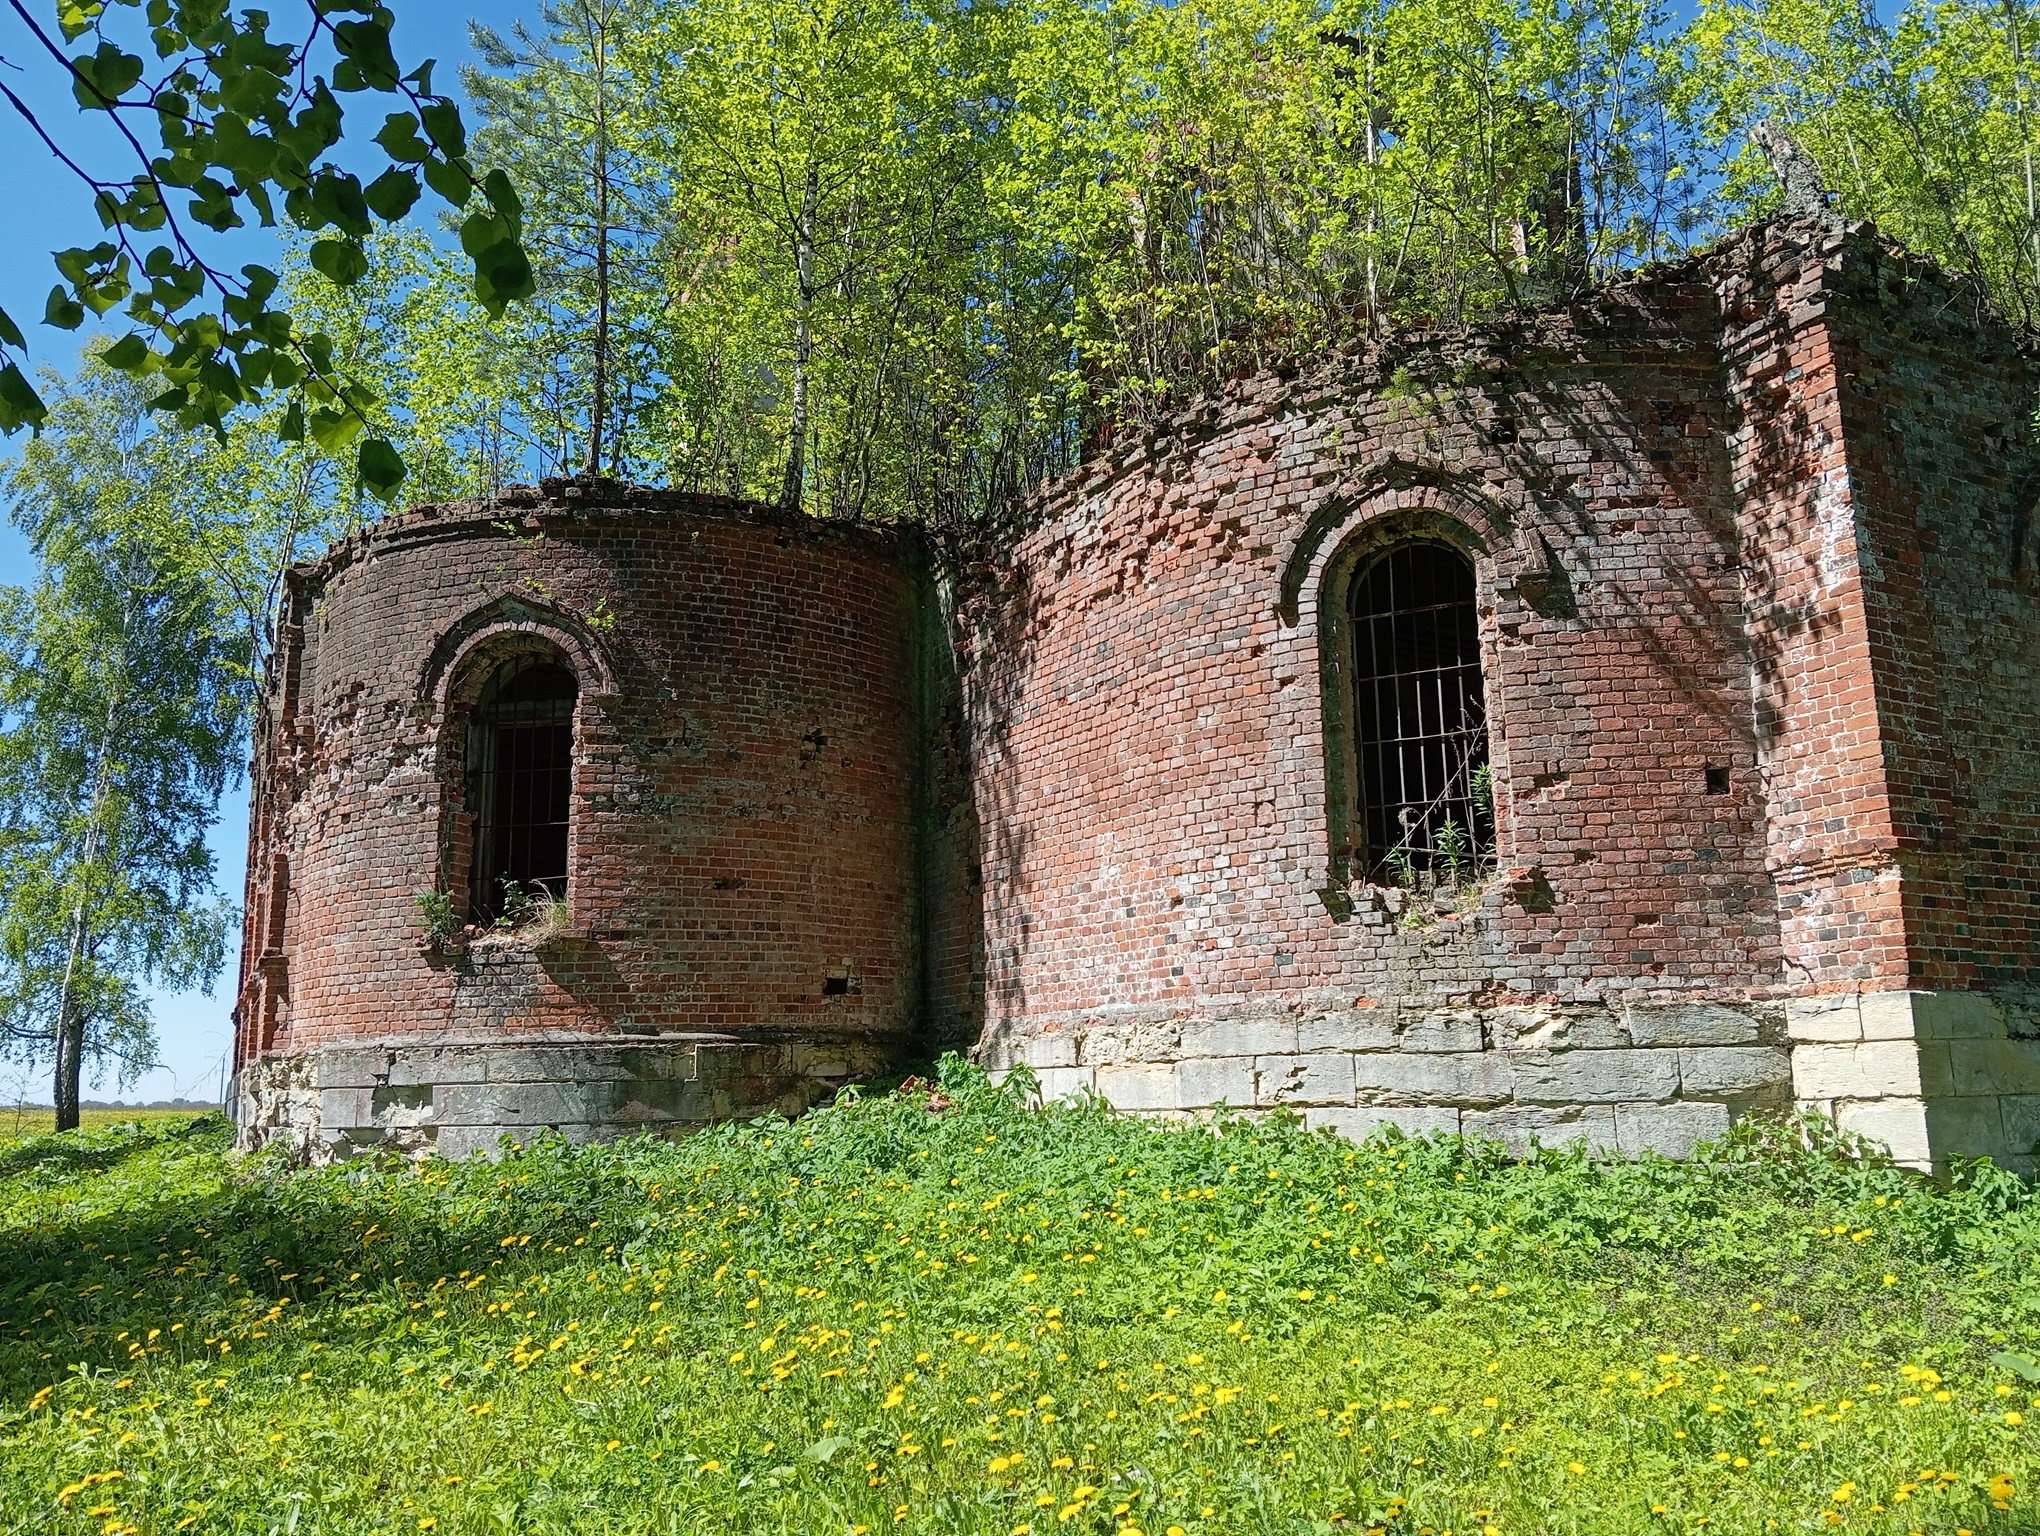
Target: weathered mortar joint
point(1750, 652)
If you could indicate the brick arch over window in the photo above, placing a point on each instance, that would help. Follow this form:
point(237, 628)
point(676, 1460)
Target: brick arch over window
point(508, 687)
point(498, 626)
point(1405, 677)
point(1392, 487)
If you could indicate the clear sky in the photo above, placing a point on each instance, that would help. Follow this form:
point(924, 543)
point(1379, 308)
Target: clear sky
point(46, 208)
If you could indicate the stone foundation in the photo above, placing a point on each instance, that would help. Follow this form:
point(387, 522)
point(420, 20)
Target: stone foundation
point(1932, 1075)
point(1630, 1078)
point(459, 1097)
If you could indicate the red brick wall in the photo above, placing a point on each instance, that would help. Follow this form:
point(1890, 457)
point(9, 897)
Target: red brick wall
point(1884, 467)
point(1830, 830)
point(749, 761)
point(1937, 407)
point(1757, 585)
point(1149, 698)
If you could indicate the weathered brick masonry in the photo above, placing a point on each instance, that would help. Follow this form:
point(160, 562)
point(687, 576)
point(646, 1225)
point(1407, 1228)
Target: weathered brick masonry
point(1759, 637)
point(749, 845)
point(1759, 626)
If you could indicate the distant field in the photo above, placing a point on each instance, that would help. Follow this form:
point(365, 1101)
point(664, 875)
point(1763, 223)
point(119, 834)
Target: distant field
point(955, 1315)
point(17, 1123)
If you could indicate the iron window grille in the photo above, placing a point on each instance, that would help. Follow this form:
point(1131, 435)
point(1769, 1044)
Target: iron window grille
point(520, 787)
point(1420, 716)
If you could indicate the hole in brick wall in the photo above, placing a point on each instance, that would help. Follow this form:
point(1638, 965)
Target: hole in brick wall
point(1717, 781)
point(836, 986)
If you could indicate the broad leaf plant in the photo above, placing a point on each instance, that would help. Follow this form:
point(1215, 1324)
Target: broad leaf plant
point(228, 118)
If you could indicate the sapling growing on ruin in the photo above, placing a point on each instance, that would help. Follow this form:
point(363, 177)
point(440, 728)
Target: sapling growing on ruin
point(436, 907)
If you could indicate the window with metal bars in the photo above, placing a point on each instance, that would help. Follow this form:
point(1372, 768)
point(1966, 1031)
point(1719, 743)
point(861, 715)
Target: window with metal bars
point(1419, 715)
point(520, 787)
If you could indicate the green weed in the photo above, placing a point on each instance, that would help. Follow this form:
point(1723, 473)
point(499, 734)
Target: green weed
point(959, 1314)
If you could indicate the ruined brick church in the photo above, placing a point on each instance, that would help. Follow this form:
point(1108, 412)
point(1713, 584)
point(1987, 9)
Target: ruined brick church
point(1604, 723)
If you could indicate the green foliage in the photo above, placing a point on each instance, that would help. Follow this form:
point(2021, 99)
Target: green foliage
point(436, 908)
point(121, 698)
point(1924, 123)
point(947, 1312)
point(240, 119)
point(853, 325)
point(904, 260)
point(550, 102)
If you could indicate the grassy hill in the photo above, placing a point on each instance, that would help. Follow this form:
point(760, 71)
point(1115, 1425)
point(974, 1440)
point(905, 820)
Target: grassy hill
point(952, 1314)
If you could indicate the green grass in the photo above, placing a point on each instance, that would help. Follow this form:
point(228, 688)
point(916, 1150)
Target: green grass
point(19, 1123)
point(894, 1316)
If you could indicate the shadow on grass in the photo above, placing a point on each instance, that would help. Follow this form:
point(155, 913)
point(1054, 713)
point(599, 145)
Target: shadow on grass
point(158, 1237)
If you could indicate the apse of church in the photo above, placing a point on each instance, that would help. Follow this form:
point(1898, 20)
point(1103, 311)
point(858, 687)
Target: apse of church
point(1602, 724)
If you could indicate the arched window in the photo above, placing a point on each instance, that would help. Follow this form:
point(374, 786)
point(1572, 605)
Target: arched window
point(520, 782)
point(1419, 714)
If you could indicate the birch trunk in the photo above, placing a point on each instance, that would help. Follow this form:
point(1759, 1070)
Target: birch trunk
point(803, 339)
point(70, 1009)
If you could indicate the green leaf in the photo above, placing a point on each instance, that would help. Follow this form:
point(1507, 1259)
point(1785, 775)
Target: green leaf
point(366, 46)
point(78, 262)
point(10, 333)
point(63, 311)
point(824, 1450)
point(103, 78)
point(480, 231)
point(450, 180)
point(381, 468)
point(338, 200)
point(2025, 1367)
point(75, 19)
point(503, 198)
point(20, 405)
point(128, 355)
point(293, 428)
point(392, 194)
point(261, 283)
point(503, 273)
point(340, 261)
point(442, 121)
point(400, 140)
point(334, 429)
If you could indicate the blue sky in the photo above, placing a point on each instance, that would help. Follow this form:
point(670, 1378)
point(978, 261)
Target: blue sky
point(45, 208)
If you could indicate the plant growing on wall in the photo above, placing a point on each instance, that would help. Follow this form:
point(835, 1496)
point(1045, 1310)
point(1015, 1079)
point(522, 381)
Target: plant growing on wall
point(442, 924)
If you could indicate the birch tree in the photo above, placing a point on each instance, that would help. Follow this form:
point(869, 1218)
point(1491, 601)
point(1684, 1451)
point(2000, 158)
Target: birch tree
point(1923, 122)
point(120, 710)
